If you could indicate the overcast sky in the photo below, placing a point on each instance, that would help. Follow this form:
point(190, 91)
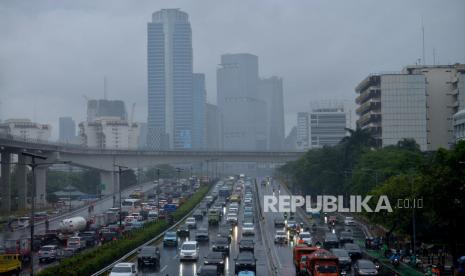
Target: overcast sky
point(52, 53)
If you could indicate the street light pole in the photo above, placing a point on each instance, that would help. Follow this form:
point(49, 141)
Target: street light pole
point(120, 170)
point(33, 168)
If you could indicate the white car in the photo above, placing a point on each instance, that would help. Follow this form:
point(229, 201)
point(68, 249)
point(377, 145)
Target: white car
point(189, 251)
point(191, 223)
point(233, 210)
point(248, 229)
point(124, 269)
point(234, 205)
point(231, 218)
point(306, 238)
point(280, 237)
point(349, 221)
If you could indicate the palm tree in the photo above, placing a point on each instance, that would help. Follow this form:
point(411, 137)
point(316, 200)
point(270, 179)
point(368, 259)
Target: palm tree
point(358, 138)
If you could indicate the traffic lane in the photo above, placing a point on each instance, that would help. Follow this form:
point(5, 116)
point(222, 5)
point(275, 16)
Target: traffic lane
point(99, 207)
point(283, 252)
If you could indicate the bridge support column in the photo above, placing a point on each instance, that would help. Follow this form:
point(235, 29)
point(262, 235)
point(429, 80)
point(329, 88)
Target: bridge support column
point(5, 182)
point(109, 180)
point(41, 186)
point(21, 182)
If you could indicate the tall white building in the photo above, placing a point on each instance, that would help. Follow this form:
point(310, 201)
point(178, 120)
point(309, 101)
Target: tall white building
point(25, 129)
point(109, 133)
point(327, 126)
point(418, 103)
point(302, 135)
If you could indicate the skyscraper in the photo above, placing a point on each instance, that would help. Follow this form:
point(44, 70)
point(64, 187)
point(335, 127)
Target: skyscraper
point(271, 92)
point(214, 132)
point(237, 81)
point(200, 115)
point(170, 89)
point(106, 108)
point(67, 130)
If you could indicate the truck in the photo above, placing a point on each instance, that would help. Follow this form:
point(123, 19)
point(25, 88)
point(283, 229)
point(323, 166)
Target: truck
point(72, 225)
point(224, 192)
point(10, 264)
point(301, 250)
point(213, 216)
point(319, 263)
point(21, 246)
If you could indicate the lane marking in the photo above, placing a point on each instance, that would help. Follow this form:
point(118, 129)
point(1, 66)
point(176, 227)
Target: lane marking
point(164, 268)
point(175, 256)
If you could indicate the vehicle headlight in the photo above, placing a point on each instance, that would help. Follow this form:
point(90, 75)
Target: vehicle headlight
point(221, 262)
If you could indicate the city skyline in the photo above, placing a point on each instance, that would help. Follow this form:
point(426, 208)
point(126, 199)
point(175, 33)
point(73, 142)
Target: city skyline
point(67, 76)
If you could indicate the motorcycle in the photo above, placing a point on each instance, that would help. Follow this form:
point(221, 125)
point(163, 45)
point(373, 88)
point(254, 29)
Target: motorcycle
point(395, 260)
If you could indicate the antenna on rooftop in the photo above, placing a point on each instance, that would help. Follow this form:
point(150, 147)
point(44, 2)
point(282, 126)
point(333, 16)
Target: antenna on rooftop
point(104, 87)
point(423, 41)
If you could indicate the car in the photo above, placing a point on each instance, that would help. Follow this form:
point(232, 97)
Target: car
point(232, 218)
point(124, 269)
point(208, 270)
point(48, 253)
point(248, 209)
point(247, 200)
point(183, 231)
point(189, 251)
point(344, 259)
point(354, 250)
point(349, 221)
point(248, 228)
point(109, 235)
point(331, 241)
point(246, 273)
point(233, 210)
point(245, 261)
point(281, 237)
point(291, 225)
point(225, 233)
point(279, 223)
point(170, 239)
point(248, 217)
point(149, 256)
point(90, 238)
point(191, 222)
point(306, 238)
point(216, 259)
point(221, 244)
point(246, 245)
point(346, 237)
point(234, 205)
point(201, 235)
point(365, 267)
point(65, 253)
point(198, 214)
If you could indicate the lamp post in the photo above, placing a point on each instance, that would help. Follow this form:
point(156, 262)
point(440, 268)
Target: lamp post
point(33, 166)
point(120, 170)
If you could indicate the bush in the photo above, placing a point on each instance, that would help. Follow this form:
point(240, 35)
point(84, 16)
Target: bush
point(95, 259)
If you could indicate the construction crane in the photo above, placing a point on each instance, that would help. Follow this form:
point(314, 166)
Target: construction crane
point(131, 118)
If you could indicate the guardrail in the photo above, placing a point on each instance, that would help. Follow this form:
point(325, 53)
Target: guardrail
point(134, 251)
point(274, 269)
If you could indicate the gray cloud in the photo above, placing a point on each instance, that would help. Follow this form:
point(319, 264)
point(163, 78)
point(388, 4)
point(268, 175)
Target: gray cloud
point(52, 54)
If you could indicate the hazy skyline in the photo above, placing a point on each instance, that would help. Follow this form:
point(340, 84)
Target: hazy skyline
point(52, 54)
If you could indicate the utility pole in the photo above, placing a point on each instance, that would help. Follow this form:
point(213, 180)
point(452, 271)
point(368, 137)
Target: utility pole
point(120, 170)
point(33, 166)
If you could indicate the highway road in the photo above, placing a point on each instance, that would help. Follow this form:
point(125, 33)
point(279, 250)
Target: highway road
point(99, 206)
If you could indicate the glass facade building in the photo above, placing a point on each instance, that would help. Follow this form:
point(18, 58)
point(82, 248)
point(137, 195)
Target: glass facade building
point(170, 84)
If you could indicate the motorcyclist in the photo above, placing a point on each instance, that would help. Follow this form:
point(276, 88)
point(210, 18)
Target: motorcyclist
point(395, 258)
point(314, 227)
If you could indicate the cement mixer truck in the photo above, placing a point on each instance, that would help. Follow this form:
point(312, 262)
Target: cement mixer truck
point(72, 225)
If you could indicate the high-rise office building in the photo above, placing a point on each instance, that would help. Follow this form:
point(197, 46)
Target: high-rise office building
point(106, 108)
point(327, 126)
point(67, 130)
point(271, 92)
point(170, 89)
point(200, 115)
point(418, 103)
point(302, 131)
point(244, 127)
point(214, 132)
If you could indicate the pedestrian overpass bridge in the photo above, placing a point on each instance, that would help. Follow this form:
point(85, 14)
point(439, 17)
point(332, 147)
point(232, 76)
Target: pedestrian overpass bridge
point(105, 160)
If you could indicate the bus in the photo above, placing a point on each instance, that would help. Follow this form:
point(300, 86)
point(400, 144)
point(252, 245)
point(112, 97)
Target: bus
point(130, 205)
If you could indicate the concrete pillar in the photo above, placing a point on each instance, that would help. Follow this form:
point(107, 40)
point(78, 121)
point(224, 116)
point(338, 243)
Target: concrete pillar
point(41, 186)
point(21, 181)
point(5, 188)
point(109, 180)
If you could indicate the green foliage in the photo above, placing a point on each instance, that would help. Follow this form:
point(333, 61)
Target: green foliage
point(95, 259)
point(166, 171)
